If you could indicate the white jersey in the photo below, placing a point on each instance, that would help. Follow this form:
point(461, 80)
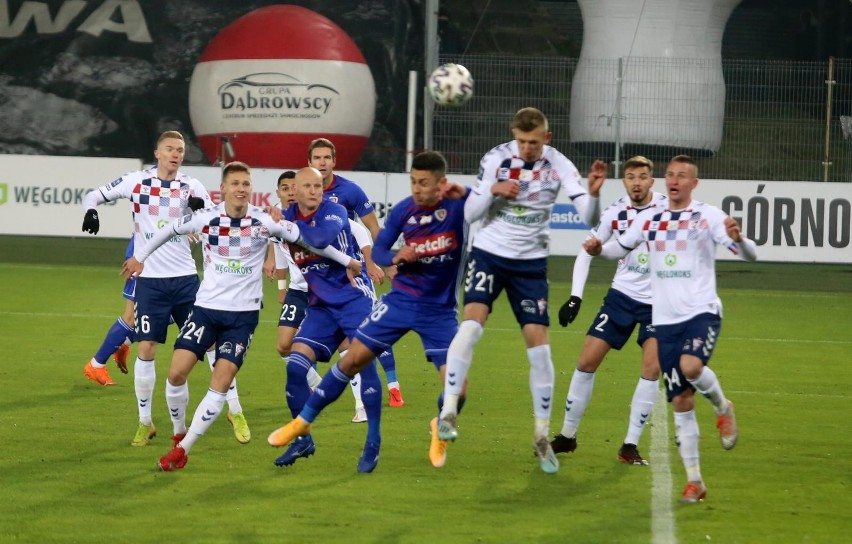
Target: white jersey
point(632, 274)
point(234, 250)
point(520, 228)
point(682, 255)
point(154, 203)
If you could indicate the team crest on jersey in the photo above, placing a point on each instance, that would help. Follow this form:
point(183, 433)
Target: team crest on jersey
point(697, 343)
point(440, 215)
point(255, 232)
point(333, 198)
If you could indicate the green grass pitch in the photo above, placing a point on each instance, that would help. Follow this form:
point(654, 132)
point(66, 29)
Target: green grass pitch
point(68, 473)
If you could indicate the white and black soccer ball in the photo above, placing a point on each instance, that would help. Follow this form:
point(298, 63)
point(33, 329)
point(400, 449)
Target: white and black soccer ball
point(450, 85)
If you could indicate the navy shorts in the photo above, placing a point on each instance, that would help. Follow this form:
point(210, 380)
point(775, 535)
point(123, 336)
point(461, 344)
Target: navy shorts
point(325, 327)
point(617, 318)
point(231, 332)
point(293, 308)
point(160, 299)
point(395, 315)
point(525, 282)
point(697, 337)
point(129, 291)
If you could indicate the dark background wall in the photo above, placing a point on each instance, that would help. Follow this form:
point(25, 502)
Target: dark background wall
point(66, 92)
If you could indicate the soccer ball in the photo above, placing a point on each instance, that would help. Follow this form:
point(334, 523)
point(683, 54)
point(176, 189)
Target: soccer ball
point(450, 85)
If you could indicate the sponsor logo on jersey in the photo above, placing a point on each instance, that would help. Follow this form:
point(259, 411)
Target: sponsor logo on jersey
point(434, 244)
point(234, 266)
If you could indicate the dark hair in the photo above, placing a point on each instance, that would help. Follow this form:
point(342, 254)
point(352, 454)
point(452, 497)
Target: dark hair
point(235, 166)
point(431, 161)
point(287, 174)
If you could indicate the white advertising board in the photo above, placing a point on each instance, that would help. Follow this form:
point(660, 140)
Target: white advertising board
point(790, 221)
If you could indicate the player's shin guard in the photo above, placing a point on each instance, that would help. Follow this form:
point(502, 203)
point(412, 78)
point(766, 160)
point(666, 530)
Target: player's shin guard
point(177, 399)
point(579, 395)
point(371, 394)
point(206, 413)
point(144, 378)
point(641, 408)
point(333, 385)
point(113, 340)
point(388, 362)
point(708, 385)
point(541, 387)
point(459, 357)
point(297, 382)
point(686, 438)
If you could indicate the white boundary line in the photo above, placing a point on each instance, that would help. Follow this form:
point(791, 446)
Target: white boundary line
point(663, 529)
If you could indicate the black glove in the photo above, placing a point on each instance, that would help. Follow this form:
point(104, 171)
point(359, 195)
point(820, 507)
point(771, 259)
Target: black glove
point(195, 203)
point(91, 223)
point(568, 312)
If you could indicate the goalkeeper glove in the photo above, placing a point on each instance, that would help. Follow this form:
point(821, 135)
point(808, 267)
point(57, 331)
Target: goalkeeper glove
point(91, 223)
point(568, 312)
point(195, 203)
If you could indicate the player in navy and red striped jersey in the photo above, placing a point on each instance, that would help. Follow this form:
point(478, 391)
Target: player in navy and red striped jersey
point(336, 306)
point(422, 298)
point(686, 310)
point(514, 196)
point(626, 305)
point(166, 290)
point(234, 236)
point(322, 156)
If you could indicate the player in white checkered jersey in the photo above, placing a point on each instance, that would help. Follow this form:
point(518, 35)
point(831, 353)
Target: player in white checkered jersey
point(514, 196)
point(687, 312)
point(627, 304)
point(227, 306)
point(167, 289)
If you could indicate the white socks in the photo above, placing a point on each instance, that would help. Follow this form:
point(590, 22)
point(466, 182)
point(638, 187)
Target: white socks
point(641, 408)
point(459, 357)
point(206, 413)
point(144, 378)
point(686, 437)
point(708, 385)
point(177, 399)
point(579, 395)
point(541, 387)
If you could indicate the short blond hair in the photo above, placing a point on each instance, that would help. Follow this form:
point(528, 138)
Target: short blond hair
point(170, 134)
